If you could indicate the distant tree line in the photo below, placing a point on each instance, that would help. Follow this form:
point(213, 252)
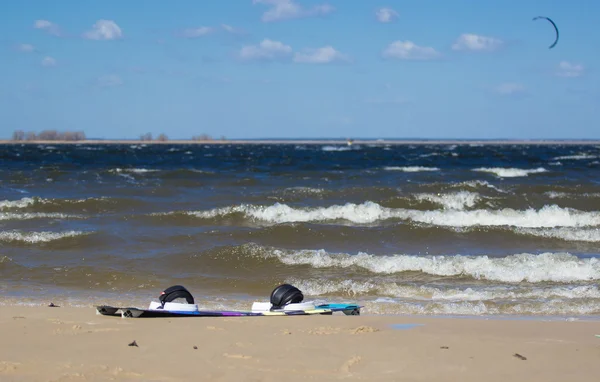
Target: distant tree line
point(163, 137)
point(48, 135)
point(54, 135)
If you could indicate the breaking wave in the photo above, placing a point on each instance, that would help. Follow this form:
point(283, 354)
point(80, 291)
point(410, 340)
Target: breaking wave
point(370, 212)
point(37, 237)
point(526, 267)
point(510, 172)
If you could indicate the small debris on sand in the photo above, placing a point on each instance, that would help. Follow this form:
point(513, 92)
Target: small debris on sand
point(519, 356)
point(133, 344)
point(364, 329)
point(53, 306)
point(444, 347)
point(195, 347)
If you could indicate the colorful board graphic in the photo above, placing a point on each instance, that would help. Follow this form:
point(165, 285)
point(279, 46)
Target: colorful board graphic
point(325, 309)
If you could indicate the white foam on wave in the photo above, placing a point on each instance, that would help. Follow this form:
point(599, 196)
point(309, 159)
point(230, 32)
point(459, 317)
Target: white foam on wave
point(566, 195)
point(35, 215)
point(21, 203)
point(576, 157)
point(480, 183)
point(547, 216)
point(553, 307)
point(430, 155)
point(410, 168)
point(38, 237)
point(510, 172)
point(30, 201)
point(591, 235)
point(303, 190)
point(355, 288)
point(524, 267)
point(370, 212)
point(336, 148)
point(133, 170)
point(454, 201)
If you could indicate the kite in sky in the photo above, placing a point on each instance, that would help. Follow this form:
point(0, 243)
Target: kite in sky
point(555, 28)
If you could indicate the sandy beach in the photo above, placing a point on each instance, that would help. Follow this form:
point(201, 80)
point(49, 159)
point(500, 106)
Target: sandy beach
point(76, 344)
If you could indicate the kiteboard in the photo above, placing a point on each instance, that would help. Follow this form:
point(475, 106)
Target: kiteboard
point(286, 300)
point(325, 309)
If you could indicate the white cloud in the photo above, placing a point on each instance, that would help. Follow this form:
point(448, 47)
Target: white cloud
point(197, 32)
point(289, 9)
point(228, 28)
point(266, 50)
point(48, 61)
point(568, 69)
point(104, 30)
point(110, 80)
point(27, 48)
point(469, 41)
point(232, 30)
point(510, 88)
point(407, 50)
point(47, 26)
point(324, 55)
point(386, 15)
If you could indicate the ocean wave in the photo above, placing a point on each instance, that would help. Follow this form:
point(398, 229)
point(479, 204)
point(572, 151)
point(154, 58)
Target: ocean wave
point(357, 289)
point(553, 307)
point(567, 195)
point(336, 148)
point(576, 157)
point(35, 215)
point(370, 212)
point(454, 201)
point(524, 267)
point(564, 233)
point(133, 170)
point(410, 168)
point(38, 237)
point(21, 203)
point(510, 172)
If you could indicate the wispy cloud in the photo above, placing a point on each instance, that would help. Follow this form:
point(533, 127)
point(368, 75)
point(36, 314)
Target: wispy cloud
point(104, 30)
point(26, 48)
point(197, 32)
point(569, 69)
point(109, 81)
point(288, 9)
point(48, 61)
point(324, 55)
point(48, 27)
point(408, 50)
point(268, 50)
point(473, 42)
point(203, 31)
point(510, 89)
point(386, 15)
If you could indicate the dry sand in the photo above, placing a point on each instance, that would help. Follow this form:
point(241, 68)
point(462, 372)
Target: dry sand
point(75, 344)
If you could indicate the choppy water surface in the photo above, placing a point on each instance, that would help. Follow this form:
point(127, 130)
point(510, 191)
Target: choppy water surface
point(417, 229)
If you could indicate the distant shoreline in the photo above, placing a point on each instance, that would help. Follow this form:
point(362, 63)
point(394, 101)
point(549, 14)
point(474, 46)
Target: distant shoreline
point(313, 141)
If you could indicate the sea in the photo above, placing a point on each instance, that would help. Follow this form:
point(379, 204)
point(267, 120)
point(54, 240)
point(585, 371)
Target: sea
point(485, 230)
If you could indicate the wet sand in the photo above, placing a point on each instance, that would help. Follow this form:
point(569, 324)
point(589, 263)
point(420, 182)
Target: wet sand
point(76, 344)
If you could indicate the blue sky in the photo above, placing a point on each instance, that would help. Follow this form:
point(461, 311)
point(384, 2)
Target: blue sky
point(301, 68)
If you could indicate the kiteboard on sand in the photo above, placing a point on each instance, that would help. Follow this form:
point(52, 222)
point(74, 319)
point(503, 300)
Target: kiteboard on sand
point(286, 300)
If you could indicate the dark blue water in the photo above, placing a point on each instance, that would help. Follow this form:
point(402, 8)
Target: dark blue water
point(424, 228)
